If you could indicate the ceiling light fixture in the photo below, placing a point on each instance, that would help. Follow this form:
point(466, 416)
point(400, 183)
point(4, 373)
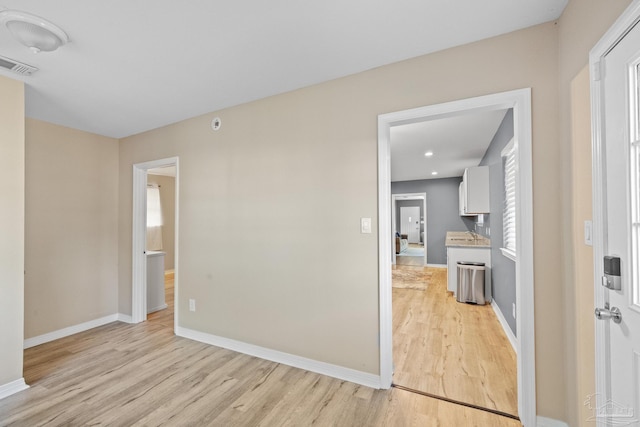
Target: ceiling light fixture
point(428, 154)
point(434, 173)
point(34, 32)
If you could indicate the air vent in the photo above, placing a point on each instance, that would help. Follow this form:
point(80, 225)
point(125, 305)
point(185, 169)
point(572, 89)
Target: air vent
point(17, 67)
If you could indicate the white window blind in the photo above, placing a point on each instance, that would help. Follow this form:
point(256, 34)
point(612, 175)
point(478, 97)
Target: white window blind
point(154, 213)
point(510, 168)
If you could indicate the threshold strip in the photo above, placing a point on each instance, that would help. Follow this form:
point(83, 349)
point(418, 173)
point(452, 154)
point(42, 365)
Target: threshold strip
point(457, 402)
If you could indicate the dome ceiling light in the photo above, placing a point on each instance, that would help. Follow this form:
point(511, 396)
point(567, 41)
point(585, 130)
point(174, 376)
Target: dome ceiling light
point(34, 32)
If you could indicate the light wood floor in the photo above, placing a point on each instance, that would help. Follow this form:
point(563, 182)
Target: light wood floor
point(125, 375)
point(450, 349)
point(411, 260)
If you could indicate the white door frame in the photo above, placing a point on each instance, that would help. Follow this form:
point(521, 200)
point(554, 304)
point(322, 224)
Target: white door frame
point(626, 21)
point(408, 196)
point(139, 238)
point(520, 101)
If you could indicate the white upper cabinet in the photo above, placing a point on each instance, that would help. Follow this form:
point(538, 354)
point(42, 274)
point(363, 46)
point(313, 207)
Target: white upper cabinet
point(474, 191)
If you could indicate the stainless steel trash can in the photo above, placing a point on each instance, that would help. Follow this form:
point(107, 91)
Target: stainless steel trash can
point(470, 286)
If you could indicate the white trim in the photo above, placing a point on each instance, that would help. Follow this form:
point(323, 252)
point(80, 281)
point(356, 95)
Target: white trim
point(509, 254)
point(408, 196)
point(139, 237)
point(550, 422)
point(125, 318)
point(158, 308)
point(346, 374)
point(505, 326)
point(618, 30)
point(520, 101)
point(13, 387)
point(437, 265)
point(65, 332)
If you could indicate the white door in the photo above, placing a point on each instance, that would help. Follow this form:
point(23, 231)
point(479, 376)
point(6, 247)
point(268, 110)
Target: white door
point(410, 223)
point(619, 311)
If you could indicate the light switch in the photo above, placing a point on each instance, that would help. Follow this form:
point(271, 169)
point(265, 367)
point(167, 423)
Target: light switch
point(588, 233)
point(365, 225)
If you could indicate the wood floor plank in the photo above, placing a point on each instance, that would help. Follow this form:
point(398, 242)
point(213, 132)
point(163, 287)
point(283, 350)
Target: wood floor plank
point(143, 375)
point(450, 349)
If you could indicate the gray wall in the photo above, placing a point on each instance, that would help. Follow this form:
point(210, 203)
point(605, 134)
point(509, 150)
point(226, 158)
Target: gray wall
point(503, 270)
point(442, 212)
point(409, 203)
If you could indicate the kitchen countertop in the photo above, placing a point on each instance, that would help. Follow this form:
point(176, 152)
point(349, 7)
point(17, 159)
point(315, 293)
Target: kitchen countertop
point(465, 239)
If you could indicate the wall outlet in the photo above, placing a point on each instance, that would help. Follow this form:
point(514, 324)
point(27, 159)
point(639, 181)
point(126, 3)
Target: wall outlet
point(514, 310)
point(192, 305)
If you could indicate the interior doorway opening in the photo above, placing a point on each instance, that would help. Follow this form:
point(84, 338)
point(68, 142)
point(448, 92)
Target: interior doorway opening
point(155, 241)
point(401, 248)
point(520, 102)
point(160, 248)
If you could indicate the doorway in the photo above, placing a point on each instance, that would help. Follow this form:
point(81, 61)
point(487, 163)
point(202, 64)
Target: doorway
point(410, 223)
point(412, 251)
point(140, 293)
point(161, 207)
point(520, 102)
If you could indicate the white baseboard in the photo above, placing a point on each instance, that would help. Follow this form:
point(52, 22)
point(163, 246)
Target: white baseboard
point(65, 332)
point(13, 387)
point(507, 330)
point(347, 374)
point(161, 307)
point(549, 422)
point(125, 318)
point(437, 265)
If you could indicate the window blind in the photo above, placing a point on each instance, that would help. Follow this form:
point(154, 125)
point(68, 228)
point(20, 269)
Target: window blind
point(510, 168)
point(154, 213)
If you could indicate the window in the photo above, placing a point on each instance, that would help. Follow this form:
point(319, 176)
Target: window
point(634, 167)
point(154, 219)
point(154, 214)
point(510, 168)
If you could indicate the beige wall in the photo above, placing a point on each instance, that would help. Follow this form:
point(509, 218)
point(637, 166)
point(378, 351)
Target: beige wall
point(301, 169)
point(582, 253)
point(11, 229)
point(582, 24)
point(71, 227)
point(168, 205)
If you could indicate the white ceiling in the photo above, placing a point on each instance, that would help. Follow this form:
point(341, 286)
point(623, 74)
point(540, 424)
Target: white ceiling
point(132, 66)
point(456, 142)
point(165, 171)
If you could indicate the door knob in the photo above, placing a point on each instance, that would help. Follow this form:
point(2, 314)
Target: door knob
point(604, 314)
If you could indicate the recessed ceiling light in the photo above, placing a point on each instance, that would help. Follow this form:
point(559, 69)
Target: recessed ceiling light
point(434, 173)
point(428, 154)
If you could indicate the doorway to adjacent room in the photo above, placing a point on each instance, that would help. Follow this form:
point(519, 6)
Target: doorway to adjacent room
point(146, 175)
point(519, 101)
point(410, 230)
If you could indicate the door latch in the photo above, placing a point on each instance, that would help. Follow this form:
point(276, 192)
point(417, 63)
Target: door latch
point(611, 279)
point(606, 313)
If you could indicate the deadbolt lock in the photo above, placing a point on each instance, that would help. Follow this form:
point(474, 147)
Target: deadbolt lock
point(611, 279)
